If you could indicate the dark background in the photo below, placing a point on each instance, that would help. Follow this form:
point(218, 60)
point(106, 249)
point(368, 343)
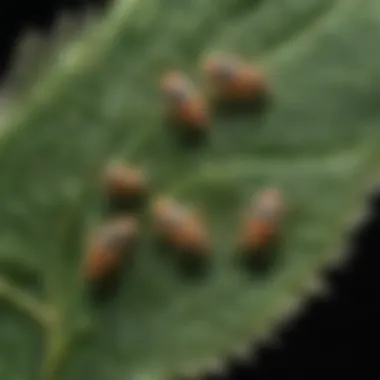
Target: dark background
point(336, 335)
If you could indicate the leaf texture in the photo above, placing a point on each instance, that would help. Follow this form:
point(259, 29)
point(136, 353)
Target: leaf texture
point(317, 141)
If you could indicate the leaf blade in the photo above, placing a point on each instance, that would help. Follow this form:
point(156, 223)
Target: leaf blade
point(312, 142)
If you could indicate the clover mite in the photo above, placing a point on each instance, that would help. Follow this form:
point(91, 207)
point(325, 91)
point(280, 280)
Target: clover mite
point(123, 181)
point(106, 247)
point(181, 227)
point(231, 78)
point(186, 104)
point(262, 223)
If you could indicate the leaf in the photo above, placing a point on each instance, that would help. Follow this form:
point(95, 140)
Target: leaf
point(317, 141)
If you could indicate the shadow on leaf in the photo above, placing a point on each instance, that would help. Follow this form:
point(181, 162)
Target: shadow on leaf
point(260, 261)
point(107, 288)
point(186, 136)
point(255, 106)
point(191, 265)
point(121, 206)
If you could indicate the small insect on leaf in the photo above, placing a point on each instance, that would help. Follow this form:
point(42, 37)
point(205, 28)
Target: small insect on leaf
point(186, 104)
point(262, 223)
point(123, 182)
point(181, 227)
point(231, 78)
point(106, 247)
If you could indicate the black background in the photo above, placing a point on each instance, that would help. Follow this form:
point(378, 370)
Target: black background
point(336, 335)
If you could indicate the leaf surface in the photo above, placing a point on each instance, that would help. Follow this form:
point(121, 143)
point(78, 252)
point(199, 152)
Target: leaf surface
point(317, 141)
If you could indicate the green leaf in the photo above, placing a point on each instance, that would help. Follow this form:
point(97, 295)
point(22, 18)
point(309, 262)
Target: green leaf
point(317, 141)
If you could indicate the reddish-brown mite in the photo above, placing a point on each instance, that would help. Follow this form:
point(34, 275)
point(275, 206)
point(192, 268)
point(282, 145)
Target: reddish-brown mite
point(231, 78)
point(123, 181)
point(186, 105)
point(263, 221)
point(183, 228)
point(106, 247)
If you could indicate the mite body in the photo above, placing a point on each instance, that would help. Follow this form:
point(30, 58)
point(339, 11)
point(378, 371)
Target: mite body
point(262, 224)
point(232, 79)
point(123, 181)
point(185, 103)
point(180, 227)
point(106, 247)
